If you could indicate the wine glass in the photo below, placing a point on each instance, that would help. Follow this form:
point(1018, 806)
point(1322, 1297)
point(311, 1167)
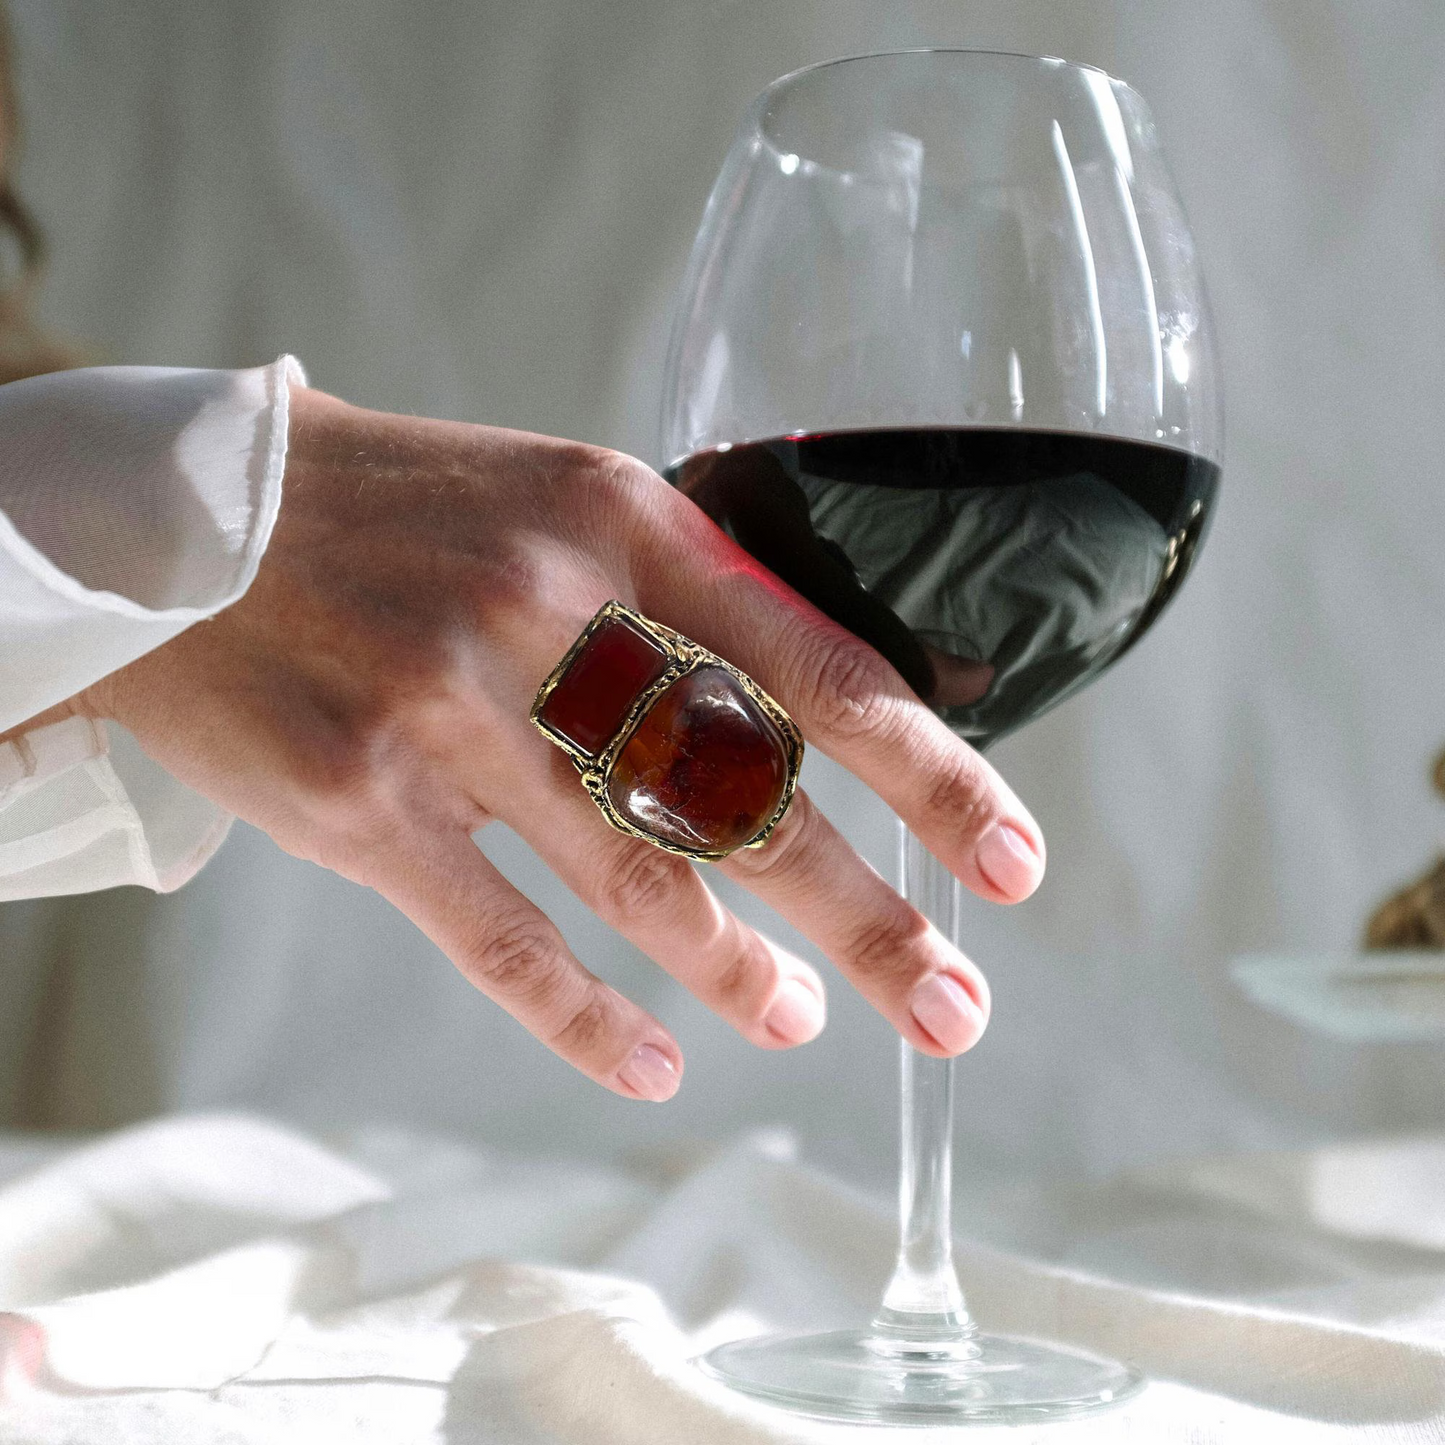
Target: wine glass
point(943, 363)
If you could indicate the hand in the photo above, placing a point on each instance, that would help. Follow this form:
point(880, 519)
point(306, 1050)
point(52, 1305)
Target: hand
point(366, 703)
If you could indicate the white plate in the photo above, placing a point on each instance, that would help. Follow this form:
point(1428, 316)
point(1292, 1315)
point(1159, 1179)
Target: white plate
point(1397, 995)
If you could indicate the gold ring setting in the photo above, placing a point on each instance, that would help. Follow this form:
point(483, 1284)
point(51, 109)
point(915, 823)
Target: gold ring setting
point(673, 743)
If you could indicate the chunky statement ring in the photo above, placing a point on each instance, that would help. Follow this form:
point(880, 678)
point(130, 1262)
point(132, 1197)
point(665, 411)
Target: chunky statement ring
point(673, 743)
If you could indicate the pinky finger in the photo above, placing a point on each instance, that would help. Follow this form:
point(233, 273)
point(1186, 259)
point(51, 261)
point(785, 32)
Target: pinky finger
point(510, 950)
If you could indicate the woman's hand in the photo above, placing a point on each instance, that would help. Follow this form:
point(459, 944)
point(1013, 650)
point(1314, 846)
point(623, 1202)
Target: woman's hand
point(366, 703)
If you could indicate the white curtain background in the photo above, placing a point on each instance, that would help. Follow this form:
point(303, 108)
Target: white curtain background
point(480, 210)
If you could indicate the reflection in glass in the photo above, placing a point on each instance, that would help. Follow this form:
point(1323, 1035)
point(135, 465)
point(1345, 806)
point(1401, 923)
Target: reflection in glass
point(997, 570)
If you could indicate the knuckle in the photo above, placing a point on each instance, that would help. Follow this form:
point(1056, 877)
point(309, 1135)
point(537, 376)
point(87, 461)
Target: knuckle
point(512, 582)
point(593, 495)
point(515, 959)
point(563, 470)
point(628, 475)
point(586, 1027)
point(586, 464)
point(962, 798)
point(653, 520)
point(612, 482)
point(747, 982)
point(642, 884)
point(884, 947)
point(847, 686)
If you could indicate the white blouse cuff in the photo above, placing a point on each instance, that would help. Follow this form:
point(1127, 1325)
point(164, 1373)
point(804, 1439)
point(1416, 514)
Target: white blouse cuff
point(82, 808)
point(134, 502)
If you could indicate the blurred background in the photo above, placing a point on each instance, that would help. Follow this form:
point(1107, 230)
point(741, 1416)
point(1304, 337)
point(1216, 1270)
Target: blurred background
point(481, 211)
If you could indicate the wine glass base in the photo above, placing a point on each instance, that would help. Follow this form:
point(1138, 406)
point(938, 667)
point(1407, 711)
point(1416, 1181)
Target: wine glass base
point(846, 1376)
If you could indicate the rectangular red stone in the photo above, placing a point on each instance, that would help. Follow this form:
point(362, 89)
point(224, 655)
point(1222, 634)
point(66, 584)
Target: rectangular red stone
point(591, 700)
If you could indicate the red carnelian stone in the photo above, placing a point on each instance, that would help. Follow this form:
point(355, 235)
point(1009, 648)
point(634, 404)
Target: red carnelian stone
point(590, 702)
point(706, 766)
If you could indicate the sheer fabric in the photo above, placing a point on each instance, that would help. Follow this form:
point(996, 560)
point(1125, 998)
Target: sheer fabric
point(134, 501)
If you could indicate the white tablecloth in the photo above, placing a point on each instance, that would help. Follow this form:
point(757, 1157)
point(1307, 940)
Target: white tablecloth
point(221, 1279)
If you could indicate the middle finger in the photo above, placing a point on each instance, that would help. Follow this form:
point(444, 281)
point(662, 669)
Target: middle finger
point(660, 902)
point(931, 993)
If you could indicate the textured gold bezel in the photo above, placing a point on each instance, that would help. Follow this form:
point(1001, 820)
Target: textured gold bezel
point(683, 656)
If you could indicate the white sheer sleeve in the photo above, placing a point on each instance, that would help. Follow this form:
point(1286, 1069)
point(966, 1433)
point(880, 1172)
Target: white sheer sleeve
point(134, 501)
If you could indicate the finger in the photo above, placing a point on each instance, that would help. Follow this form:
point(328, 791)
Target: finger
point(765, 510)
point(933, 995)
point(849, 702)
point(514, 954)
point(659, 902)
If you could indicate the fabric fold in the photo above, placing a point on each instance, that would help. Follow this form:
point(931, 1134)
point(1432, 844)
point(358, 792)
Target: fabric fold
point(217, 1279)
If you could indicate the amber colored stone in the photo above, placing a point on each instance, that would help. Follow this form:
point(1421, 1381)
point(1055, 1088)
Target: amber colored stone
point(591, 701)
point(706, 766)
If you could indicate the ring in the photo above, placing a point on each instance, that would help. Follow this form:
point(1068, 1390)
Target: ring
point(674, 743)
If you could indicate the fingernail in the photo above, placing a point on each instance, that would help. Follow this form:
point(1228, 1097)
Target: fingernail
point(1008, 860)
point(943, 1010)
point(796, 1013)
point(650, 1074)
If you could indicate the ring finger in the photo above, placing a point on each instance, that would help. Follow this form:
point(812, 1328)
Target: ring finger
point(659, 902)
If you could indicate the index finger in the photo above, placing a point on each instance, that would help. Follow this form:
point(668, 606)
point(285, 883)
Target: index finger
point(850, 702)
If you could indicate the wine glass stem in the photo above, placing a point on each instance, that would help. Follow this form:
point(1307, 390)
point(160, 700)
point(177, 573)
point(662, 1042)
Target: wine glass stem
point(923, 1307)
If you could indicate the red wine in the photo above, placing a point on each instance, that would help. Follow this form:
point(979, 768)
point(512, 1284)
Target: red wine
point(998, 570)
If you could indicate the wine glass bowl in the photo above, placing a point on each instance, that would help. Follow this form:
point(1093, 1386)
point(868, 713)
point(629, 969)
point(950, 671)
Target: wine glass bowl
point(942, 238)
point(950, 298)
point(943, 363)
point(998, 569)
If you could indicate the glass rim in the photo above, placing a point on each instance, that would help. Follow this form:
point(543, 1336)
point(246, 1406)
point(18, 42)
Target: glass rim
point(979, 51)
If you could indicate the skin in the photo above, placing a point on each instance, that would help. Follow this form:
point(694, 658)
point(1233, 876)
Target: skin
point(366, 704)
